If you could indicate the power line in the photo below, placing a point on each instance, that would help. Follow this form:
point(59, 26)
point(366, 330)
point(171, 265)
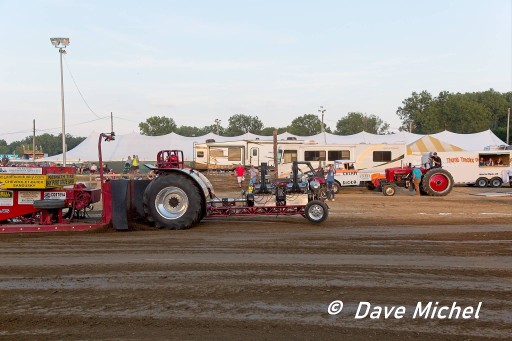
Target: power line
point(76, 86)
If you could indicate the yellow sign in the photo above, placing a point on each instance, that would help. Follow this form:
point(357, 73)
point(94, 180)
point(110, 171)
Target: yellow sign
point(25, 181)
point(60, 180)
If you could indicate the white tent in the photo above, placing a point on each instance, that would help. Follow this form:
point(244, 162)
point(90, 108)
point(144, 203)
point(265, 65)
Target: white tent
point(146, 147)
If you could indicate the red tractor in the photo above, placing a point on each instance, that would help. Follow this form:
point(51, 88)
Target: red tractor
point(434, 182)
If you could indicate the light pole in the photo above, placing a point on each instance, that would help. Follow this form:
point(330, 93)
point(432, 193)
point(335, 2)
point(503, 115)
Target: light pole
point(322, 129)
point(61, 44)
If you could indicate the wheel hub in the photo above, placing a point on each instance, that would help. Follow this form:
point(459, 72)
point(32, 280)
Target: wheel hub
point(439, 182)
point(316, 212)
point(171, 202)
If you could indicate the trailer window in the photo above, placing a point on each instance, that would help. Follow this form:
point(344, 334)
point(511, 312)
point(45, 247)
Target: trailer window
point(381, 156)
point(489, 160)
point(234, 154)
point(216, 152)
point(289, 156)
point(338, 155)
point(314, 155)
point(200, 154)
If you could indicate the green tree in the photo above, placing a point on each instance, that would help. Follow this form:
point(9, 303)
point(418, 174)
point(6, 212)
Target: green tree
point(306, 125)
point(241, 124)
point(4, 148)
point(269, 131)
point(413, 108)
point(157, 126)
point(356, 122)
point(190, 131)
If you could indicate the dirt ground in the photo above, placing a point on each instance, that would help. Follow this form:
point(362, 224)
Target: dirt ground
point(270, 278)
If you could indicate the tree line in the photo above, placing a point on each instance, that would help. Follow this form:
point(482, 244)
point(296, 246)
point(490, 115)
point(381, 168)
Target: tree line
point(420, 113)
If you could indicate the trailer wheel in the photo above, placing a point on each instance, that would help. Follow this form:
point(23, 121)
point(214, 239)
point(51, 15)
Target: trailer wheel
point(173, 202)
point(481, 182)
point(496, 182)
point(388, 190)
point(51, 204)
point(437, 182)
point(316, 211)
point(336, 187)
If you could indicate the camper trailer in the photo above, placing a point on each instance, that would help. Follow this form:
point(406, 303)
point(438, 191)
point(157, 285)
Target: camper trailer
point(482, 169)
point(226, 155)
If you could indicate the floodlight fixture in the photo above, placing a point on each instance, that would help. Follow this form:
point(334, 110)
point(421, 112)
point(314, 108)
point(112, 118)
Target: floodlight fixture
point(60, 42)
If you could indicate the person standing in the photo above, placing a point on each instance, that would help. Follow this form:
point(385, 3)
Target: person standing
point(239, 171)
point(436, 161)
point(416, 179)
point(329, 182)
point(253, 174)
point(135, 163)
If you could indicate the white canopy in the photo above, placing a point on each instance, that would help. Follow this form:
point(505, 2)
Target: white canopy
point(146, 147)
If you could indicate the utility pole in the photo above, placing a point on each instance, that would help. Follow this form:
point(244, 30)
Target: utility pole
point(276, 166)
point(61, 44)
point(34, 141)
point(410, 126)
point(508, 127)
point(111, 122)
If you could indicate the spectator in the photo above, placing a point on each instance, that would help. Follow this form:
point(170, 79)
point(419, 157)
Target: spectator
point(239, 171)
point(499, 162)
point(127, 165)
point(93, 168)
point(253, 174)
point(481, 162)
point(416, 179)
point(329, 182)
point(135, 164)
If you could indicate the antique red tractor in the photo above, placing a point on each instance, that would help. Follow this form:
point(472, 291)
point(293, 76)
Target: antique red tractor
point(434, 182)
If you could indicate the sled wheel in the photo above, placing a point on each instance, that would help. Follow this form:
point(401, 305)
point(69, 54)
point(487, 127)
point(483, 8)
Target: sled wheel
point(173, 202)
point(437, 182)
point(316, 211)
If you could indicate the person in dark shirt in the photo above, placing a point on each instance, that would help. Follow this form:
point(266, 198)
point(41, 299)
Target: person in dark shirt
point(436, 161)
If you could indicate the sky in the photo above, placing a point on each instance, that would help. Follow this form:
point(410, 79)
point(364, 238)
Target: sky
point(197, 61)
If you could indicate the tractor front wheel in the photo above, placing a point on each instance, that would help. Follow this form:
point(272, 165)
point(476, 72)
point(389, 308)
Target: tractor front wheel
point(388, 190)
point(173, 202)
point(316, 211)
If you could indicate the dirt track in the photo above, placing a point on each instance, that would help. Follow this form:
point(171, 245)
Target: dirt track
point(270, 278)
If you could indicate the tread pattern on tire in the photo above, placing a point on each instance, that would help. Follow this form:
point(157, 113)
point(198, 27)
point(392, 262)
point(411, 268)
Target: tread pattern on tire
point(51, 204)
point(194, 212)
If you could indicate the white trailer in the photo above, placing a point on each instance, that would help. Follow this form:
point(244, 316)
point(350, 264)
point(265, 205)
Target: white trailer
point(226, 155)
point(485, 168)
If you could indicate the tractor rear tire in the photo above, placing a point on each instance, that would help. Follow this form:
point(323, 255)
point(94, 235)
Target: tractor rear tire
point(173, 201)
point(51, 204)
point(437, 182)
point(316, 211)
